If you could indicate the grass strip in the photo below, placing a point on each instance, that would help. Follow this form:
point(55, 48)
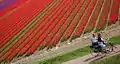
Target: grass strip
point(66, 57)
point(115, 40)
point(110, 60)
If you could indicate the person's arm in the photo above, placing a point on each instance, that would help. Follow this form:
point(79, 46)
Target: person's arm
point(103, 41)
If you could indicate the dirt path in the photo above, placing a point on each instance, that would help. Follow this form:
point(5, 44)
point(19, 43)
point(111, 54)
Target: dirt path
point(65, 48)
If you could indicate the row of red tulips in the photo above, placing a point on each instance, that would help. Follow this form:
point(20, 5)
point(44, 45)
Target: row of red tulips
point(114, 12)
point(94, 16)
point(69, 20)
point(104, 15)
point(79, 19)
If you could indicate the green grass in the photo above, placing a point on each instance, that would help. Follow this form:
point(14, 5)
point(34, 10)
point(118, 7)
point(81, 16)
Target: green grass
point(111, 60)
point(66, 57)
point(115, 40)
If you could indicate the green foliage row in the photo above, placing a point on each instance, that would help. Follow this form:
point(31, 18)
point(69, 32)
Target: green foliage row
point(66, 57)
